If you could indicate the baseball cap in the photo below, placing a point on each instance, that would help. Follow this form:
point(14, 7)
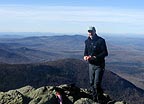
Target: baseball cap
point(91, 28)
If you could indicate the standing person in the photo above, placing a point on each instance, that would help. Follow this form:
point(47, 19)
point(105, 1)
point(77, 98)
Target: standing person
point(95, 53)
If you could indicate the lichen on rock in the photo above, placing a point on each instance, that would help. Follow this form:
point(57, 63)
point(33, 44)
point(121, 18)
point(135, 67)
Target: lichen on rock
point(67, 94)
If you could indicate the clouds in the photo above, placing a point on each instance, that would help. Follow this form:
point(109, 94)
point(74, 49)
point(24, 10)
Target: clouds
point(60, 13)
point(41, 14)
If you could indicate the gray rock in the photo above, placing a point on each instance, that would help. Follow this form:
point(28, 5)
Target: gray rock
point(120, 102)
point(11, 97)
point(85, 101)
point(26, 91)
point(47, 95)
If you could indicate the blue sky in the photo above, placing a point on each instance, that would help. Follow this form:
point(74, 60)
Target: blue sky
point(72, 16)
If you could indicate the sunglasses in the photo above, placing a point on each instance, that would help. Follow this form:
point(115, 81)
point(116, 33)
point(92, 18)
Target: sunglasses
point(90, 31)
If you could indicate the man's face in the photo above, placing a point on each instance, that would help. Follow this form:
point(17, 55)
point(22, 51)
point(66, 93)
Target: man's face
point(90, 33)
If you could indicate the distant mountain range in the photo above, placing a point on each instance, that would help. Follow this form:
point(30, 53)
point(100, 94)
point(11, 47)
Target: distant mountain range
point(69, 46)
point(40, 49)
point(67, 71)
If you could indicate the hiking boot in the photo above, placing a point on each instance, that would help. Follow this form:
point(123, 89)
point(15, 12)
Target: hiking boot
point(101, 99)
point(95, 98)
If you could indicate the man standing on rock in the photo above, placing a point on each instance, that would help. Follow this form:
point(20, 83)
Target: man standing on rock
point(95, 53)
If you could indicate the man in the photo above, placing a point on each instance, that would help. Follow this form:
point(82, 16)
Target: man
point(95, 53)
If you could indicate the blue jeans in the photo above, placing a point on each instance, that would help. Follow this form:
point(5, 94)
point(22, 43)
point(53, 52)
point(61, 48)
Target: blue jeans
point(95, 75)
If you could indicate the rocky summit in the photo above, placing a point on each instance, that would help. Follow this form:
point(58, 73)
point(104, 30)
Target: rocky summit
point(63, 94)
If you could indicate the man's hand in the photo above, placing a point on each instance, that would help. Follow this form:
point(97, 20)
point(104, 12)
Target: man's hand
point(86, 58)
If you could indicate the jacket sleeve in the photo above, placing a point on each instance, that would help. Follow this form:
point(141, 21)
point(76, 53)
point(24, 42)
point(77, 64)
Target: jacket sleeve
point(104, 51)
point(86, 50)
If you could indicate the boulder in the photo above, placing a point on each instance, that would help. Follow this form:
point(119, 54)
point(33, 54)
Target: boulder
point(67, 94)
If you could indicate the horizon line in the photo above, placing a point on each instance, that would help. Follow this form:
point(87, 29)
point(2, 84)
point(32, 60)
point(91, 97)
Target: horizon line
point(66, 33)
